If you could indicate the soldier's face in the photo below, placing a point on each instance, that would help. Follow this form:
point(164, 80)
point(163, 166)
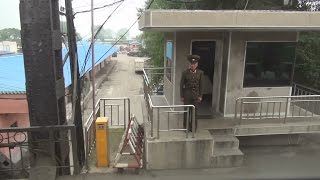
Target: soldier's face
point(193, 66)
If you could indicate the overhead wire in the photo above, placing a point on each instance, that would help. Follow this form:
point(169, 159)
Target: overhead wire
point(184, 1)
point(122, 35)
point(107, 5)
point(96, 34)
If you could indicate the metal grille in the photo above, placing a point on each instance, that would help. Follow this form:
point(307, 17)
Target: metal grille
point(20, 146)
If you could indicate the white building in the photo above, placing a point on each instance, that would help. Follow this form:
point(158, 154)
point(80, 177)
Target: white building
point(8, 46)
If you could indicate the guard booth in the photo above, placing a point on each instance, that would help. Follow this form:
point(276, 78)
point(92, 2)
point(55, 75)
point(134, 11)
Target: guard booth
point(248, 61)
point(243, 53)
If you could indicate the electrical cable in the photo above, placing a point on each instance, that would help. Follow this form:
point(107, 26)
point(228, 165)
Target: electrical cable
point(96, 34)
point(184, 1)
point(107, 5)
point(122, 35)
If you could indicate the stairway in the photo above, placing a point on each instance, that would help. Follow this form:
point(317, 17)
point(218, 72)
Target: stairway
point(225, 150)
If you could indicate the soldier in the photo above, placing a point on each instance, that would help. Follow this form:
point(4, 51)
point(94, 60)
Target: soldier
point(191, 87)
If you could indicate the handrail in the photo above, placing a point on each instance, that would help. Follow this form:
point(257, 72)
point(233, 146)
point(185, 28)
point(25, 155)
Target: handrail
point(271, 97)
point(91, 114)
point(280, 107)
point(37, 128)
point(89, 125)
point(151, 107)
point(306, 87)
point(16, 141)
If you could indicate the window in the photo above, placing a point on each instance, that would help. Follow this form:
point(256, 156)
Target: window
point(269, 64)
point(169, 59)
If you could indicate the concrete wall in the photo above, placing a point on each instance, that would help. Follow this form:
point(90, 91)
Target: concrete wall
point(13, 111)
point(237, 63)
point(224, 70)
point(9, 46)
point(229, 65)
point(187, 153)
point(161, 20)
point(16, 105)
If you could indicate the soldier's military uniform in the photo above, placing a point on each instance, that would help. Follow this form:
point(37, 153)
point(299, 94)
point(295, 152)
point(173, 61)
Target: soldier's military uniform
point(191, 88)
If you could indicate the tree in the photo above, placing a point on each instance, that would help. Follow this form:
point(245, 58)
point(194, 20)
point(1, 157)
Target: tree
point(109, 34)
point(121, 32)
point(10, 34)
point(104, 33)
point(78, 36)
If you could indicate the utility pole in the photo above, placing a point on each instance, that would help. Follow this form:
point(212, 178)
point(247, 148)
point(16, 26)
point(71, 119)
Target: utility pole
point(41, 43)
point(75, 76)
point(92, 58)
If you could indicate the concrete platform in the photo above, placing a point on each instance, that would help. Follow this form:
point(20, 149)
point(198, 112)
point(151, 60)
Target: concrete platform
point(215, 144)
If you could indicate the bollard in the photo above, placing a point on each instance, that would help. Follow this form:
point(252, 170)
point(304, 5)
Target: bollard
point(102, 142)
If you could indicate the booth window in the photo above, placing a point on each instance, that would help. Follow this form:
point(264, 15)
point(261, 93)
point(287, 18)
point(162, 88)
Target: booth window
point(169, 59)
point(269, 64)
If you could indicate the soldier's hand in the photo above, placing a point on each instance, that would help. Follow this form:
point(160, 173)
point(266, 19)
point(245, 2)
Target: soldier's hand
point(182, 99)
point(199, 99)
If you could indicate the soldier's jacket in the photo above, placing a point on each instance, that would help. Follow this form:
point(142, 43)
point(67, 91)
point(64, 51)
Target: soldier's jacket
point(191, 84)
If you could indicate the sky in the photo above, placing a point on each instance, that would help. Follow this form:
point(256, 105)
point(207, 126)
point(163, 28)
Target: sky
point(125, 15)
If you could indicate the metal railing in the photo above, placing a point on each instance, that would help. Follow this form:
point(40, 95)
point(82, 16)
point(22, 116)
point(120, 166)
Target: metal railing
point(118, 112)
point(152, 77)
point(277, 107)
point(19, 147)
point(299, 89)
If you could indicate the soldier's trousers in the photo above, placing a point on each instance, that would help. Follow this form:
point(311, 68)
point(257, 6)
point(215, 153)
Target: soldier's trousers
point(189, 119)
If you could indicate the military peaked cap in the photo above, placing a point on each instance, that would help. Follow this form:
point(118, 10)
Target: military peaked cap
point(193, 58)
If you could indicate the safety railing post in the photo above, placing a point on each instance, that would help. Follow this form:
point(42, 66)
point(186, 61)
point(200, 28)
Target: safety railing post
point(241, 110)
point(151, 119)
point(236, 110)
point(87, 147)
point(193, 121)
point(286, 110)
point(158, 126)
point(129, 108)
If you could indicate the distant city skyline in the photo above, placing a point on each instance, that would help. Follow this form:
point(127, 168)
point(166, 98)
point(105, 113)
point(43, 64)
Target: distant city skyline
point(125, 15)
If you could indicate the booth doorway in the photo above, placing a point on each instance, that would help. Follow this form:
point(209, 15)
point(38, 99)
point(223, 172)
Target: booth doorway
point(206, 51)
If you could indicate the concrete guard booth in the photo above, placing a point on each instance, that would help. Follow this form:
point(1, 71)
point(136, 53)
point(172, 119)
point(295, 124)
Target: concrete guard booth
point(248, 59)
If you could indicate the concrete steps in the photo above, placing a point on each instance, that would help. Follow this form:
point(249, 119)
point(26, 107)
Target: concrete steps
point(225, 150)
point(226, 158)
point(221, 131)
point(221, 142)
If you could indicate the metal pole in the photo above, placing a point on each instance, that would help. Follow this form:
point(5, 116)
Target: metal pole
point(286, 111)
point(75, 75)
point(193, 120)
point(124, 114)
point(158, 126)
point(151, 119)
point(92, 59)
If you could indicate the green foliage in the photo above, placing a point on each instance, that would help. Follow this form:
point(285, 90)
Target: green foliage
point(154, 47)
point(307, 70)
point(78, 36)
point(10, 34)
point(104, 33)
point(121, 33)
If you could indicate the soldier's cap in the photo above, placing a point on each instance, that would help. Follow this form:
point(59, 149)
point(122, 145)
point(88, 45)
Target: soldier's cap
point(193, 58)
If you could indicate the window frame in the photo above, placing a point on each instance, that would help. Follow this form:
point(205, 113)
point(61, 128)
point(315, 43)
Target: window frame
point(268, 86)
point(169, 74)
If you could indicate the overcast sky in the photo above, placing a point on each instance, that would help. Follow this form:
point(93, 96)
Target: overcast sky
point(122, 18)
